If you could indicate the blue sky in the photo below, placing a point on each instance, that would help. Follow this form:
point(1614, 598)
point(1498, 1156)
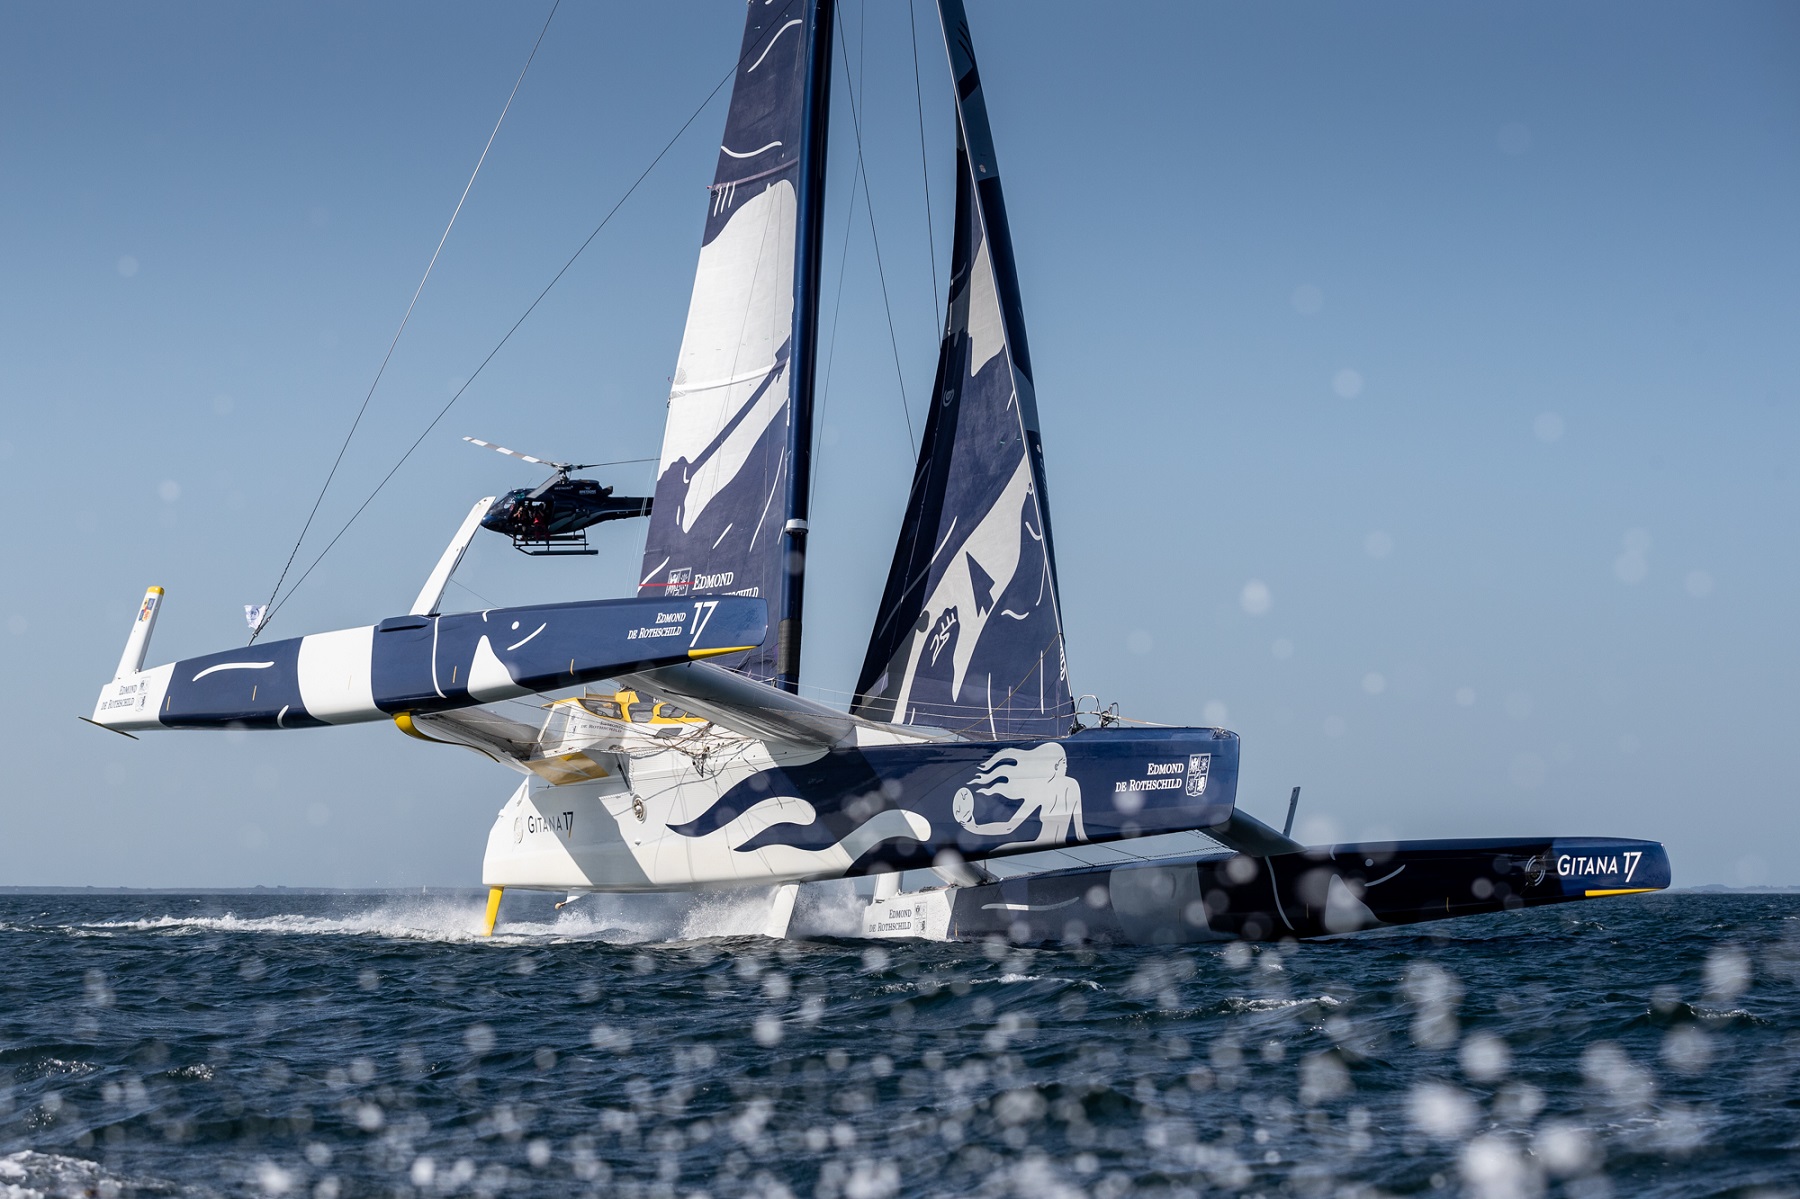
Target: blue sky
point(1420, 388)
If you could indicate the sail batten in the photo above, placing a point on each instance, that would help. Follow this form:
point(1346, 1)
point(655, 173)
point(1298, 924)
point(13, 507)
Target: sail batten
point(969, 634)
point(739, 418)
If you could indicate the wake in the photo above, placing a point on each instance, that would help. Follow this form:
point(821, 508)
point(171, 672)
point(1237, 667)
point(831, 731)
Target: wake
point(828, 910)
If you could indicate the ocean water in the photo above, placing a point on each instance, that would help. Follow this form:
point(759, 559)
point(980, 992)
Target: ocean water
point(348, 1045)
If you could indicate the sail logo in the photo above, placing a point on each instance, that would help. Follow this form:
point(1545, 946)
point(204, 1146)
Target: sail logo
point(1199, 766)
point(1570, 865)
point(679, 580)
point(940, 636)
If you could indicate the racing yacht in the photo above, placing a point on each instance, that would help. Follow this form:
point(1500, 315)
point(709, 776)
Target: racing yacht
point(674, 750)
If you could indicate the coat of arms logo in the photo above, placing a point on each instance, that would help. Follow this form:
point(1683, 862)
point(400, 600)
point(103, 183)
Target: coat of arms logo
point(1198, 767)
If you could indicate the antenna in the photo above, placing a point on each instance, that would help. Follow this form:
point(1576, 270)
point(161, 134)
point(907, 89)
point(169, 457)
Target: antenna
point(1293, 802)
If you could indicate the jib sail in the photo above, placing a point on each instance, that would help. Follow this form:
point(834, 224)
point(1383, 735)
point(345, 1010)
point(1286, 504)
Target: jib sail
point(969, 634)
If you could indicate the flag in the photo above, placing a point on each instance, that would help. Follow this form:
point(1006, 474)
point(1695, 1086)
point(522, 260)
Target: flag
point(254, 615)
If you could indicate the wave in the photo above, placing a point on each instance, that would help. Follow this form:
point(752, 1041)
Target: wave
point(442, 920)
point(57, 1067)
point(32, 1175)
point(1007, 979)
point(1276, 1005)
point(613, 919)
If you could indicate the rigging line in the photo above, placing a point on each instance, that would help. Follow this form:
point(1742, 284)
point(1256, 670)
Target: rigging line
point(615, 462)
point(837, 304)
point(924, 169)
point(869, 207)
point(445, 410)
point(417, 291)
point(484, 599)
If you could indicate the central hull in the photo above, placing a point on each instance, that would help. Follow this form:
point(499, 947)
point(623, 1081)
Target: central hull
point(704, 808)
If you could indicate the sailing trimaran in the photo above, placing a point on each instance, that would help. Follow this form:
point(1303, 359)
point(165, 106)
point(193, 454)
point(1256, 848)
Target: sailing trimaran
point(962, 747)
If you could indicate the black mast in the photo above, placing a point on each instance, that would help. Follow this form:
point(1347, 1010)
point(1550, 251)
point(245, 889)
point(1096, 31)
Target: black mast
point(809, 239)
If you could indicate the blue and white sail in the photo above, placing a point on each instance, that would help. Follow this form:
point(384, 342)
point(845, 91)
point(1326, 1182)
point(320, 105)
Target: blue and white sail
point(969, 635)
point(729, 515)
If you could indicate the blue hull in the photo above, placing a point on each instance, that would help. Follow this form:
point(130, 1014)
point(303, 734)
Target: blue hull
point(439, 663)
point(1316, 892)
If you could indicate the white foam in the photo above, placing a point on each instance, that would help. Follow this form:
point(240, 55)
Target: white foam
point(1276, 1005)
point(617, 919)
point(32, 1175)
point(439, 920)
point(832, 909)
point(56, 1067)
point(1012, 977)
point(612, 918)
point(727, 914)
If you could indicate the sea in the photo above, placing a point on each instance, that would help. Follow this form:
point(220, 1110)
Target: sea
point(373, 1044)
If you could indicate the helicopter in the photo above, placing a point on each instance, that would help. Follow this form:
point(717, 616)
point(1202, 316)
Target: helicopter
point(552, 518)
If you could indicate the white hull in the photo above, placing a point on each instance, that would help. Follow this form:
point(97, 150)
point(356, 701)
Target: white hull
point(914, 916)
point(617, 831)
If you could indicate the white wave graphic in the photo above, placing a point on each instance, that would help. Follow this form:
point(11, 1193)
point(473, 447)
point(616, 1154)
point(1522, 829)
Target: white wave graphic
point(232, 666)
point(750, 153)
point(771, 45)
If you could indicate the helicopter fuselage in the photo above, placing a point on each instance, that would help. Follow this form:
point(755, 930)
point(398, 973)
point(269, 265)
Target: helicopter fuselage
point(564, 507)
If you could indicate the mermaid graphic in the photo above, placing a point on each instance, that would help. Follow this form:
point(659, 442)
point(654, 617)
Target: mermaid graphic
point(1039, 780)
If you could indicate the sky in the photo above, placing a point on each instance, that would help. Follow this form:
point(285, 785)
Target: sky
point(1420, 388)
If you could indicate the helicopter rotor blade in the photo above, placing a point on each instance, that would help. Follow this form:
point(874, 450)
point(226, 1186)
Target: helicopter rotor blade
point(500, 449)
point(547, 484)
point(593, 465)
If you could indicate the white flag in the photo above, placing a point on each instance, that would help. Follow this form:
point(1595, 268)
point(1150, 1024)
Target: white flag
point(255, 614)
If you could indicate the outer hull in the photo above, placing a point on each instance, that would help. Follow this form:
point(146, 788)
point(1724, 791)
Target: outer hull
point(1313, 893)
point(422, 663)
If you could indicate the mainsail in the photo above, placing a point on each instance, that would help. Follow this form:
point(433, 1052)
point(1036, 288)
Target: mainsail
point(729, 516)
point(969, 634)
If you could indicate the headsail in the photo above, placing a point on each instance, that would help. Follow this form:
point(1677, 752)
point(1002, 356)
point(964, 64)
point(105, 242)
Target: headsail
point(725, 520)
point(969, 634)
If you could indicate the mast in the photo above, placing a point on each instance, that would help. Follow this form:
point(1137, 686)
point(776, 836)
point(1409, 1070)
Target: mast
point(815, 129)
